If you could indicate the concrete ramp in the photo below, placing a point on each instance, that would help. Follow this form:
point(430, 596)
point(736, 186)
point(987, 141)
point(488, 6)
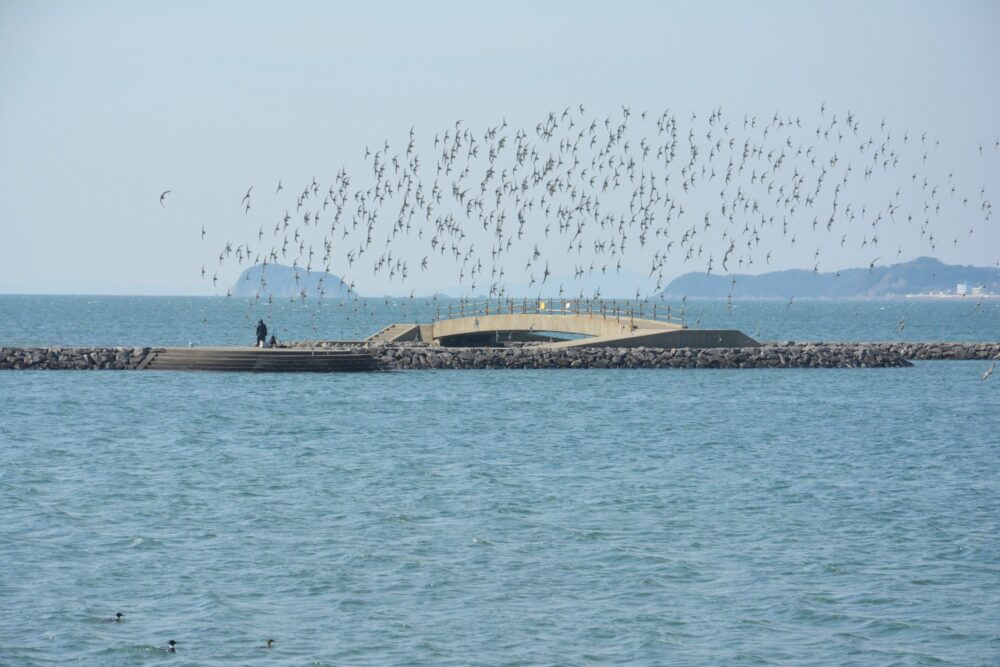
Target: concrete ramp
point(525, 326)
point(396, 333)
point(596, 330)
point(699, 338)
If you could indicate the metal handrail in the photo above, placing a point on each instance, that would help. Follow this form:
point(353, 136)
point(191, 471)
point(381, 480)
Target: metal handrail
point(602, 308)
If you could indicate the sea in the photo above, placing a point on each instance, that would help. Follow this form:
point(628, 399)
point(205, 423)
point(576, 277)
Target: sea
point(497, 517)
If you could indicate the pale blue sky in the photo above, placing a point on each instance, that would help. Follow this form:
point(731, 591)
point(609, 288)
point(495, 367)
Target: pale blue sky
point(104, 105)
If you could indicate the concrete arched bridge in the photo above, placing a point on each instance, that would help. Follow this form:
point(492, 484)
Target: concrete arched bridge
point(540, 322)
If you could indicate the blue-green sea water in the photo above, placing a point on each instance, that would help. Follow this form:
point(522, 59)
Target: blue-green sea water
point(557, 517)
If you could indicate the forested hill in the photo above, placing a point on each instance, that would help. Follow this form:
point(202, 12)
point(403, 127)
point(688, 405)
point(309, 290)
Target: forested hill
point(924, 274)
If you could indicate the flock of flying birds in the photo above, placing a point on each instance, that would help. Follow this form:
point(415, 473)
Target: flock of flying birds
point(560, 206)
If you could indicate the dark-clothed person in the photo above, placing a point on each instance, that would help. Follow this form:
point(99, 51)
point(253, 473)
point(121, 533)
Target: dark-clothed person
point(261, 333)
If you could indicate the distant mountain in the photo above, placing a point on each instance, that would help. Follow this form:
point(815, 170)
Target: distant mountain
point(924, 274)
point(286, 281)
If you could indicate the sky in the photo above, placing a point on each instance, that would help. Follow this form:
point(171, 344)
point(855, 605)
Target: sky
point(104, 105)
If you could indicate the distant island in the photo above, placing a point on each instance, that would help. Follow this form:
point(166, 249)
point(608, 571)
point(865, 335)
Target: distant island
point(924, 276)
point(287, 282)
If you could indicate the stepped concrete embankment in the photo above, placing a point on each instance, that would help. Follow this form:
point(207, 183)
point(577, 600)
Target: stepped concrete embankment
point(239, 359)
point(395, 356)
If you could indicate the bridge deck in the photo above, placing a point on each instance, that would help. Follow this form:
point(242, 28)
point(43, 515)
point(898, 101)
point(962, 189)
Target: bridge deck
point(597, 330)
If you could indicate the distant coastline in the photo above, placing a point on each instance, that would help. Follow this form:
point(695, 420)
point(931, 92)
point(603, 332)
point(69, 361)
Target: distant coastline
point(952, 297)
point(924, 277)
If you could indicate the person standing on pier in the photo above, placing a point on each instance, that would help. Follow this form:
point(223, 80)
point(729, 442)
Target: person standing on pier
point(261, 333)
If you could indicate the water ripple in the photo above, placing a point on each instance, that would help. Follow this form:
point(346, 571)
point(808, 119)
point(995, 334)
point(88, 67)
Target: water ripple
point(537, 517)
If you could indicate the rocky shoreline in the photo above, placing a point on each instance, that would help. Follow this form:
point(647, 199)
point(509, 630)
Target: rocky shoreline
point(419, 356)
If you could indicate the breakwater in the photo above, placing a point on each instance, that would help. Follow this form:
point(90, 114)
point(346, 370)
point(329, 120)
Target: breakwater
point(771, 355)
point(73, 358)
point(419, 356)
point(938, 351)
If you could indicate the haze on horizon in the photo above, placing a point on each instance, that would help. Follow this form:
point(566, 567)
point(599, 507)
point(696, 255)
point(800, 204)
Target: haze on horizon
point(106, 105)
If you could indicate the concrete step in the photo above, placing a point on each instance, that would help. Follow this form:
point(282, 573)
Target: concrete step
point(266, 369)
point(259, 360)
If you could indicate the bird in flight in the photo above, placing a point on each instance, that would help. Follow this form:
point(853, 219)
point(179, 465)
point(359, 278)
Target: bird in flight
point(163, 196)
point(598, 190)
point(989, 372)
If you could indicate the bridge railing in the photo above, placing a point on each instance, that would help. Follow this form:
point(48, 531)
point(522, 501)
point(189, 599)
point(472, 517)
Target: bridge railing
point(595, 308)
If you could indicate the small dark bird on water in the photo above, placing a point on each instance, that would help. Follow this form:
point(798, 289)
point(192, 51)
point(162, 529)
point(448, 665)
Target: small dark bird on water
point(269, 644)
point(171, 647)
point(117, 618)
